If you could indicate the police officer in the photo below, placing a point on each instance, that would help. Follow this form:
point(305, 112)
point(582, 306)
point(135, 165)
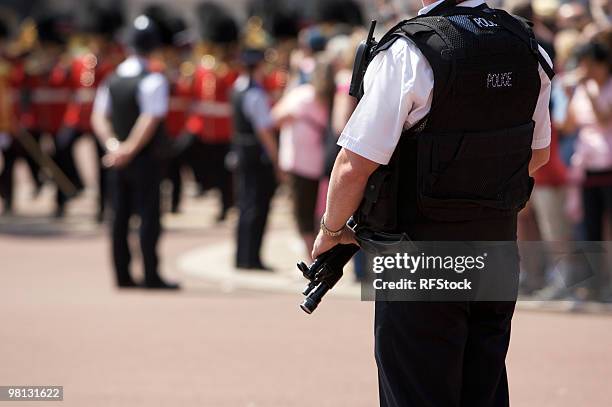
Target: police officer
point(462, 87)
point(128, 112)
point(256, 148)
point(170, 61)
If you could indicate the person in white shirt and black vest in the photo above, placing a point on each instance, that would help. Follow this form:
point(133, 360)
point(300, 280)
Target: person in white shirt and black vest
point(462, 87)
point(129, 110)
point(256, 148)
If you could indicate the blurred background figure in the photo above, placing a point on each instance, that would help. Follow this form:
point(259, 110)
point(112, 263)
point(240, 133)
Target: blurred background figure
point(573, 25)
point(590, 113)
point(45, 88)
point(7, 127)
point(209, 125)
point(572, 15)
point(172, 59)
point(303, 115)
point(93, 54)
point(16, 98)
point(128, 115)
point(602, 13)
point(341, 51)
point(256, 149)
point(542, 14)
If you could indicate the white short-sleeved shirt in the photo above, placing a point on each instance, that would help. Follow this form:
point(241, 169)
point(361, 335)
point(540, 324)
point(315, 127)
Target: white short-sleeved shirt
point(398, 87)
point(153, 90)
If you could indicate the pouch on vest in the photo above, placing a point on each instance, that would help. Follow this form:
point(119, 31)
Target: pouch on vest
point(469, 176)
point(379, 207)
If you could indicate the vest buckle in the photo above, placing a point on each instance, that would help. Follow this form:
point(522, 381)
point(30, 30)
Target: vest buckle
point(447, 54)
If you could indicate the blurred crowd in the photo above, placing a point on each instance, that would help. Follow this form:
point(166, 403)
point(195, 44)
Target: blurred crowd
point(572, 199)
point(52, 62)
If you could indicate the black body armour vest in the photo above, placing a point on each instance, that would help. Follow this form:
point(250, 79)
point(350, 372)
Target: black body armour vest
point(125, 109)
point(462, 173)
point(244, 132)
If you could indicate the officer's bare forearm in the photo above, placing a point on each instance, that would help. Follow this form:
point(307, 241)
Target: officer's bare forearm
point(347, 185)
point(102, 128)
point(142, 133)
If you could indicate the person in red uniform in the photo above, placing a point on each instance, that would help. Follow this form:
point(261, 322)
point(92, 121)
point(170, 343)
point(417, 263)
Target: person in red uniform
point(94, 58)
point(181, 82)
point(7, 144)
point(209, 122)
point(282, 24)
point(45, 90)
point(12, 81)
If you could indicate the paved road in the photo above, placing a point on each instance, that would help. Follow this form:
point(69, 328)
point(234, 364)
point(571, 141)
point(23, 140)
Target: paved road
point(62, 323)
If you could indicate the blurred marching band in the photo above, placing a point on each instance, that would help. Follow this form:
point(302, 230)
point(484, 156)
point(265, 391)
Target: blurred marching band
point(53, 61)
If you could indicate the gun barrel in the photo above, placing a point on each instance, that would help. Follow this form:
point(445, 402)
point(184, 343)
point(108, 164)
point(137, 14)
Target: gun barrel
point(324, 274)
point(312, 301)
point(309, 288)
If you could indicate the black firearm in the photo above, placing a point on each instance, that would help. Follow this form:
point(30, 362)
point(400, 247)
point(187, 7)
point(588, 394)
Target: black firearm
point(324, 273)
point(362, 60)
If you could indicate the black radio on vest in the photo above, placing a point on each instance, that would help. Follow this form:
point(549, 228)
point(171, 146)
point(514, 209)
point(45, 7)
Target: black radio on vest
point(468, 160)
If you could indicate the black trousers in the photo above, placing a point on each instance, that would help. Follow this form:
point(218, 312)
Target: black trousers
point(597, 201)
point(208, 161)
point(35, 169)
point(256, 185)
point(597, 204)
point(103, 172)
point(442, 354)
point(135, 190)
point(9, 157)
point(64, 158)
point(173, 174)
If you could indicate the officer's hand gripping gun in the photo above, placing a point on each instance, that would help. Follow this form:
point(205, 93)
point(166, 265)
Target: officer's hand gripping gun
point(324, 273)
point(362, 60)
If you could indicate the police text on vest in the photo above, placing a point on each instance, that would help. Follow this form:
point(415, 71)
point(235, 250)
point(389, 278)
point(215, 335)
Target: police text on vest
point(499, 80)
point(483, 22)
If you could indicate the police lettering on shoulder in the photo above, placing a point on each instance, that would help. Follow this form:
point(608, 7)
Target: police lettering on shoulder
point(452, 121)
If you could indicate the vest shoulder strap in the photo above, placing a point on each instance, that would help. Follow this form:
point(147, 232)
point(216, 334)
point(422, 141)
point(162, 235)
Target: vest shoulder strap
point(439, 52)
point(520, 27)
point(528, 26)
